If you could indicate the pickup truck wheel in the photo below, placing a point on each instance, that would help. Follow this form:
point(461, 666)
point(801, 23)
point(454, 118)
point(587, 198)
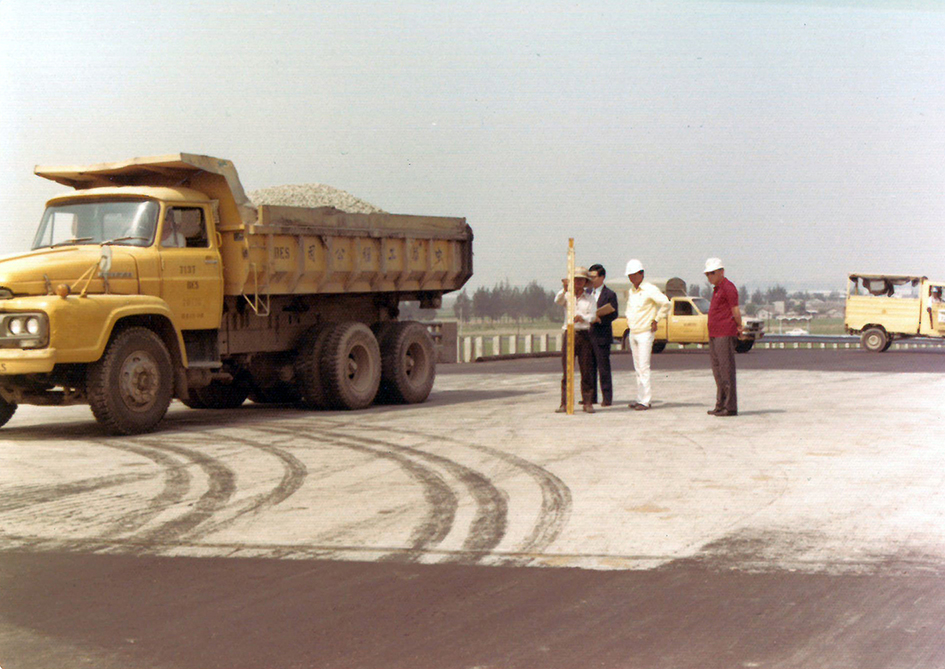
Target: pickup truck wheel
point(659, 346)
point(744, 345)
point(7, 409)
point(350, 366)
point(308, 367)
point(220, 395)
point(408, 363)
point(130, 387)
point(874, 339)
point(192, 401)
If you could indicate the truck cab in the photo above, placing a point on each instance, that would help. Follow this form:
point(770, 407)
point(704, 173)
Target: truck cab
point(687, 322)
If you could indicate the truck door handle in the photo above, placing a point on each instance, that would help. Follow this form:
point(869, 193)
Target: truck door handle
point(211, 261)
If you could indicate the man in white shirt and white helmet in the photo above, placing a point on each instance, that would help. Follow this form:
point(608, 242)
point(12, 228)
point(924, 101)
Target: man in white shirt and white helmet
point(646, 305)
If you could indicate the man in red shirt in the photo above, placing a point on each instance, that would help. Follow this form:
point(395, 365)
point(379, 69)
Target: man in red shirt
point(725, 324)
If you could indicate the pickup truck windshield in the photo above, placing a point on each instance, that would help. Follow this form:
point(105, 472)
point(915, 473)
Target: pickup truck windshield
point(127, 222)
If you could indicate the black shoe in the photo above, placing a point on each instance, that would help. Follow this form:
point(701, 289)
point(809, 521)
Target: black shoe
point(713, 412)
point(726, 412)
point(633, 405)
point(605, 403)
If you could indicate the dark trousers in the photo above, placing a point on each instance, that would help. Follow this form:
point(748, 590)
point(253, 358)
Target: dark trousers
point(722, 353)
point(583, 350)
point(601, 364)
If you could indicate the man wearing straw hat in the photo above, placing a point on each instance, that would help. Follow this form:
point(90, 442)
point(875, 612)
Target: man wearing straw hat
point(585, 313)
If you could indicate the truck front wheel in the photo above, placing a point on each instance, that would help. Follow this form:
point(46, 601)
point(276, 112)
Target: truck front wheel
point(130, 387)
point(350, 366)
point(659, 346)
point(408, 363)
point(874, 339)
point(7, 409)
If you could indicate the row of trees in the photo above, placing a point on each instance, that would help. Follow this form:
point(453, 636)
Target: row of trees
point(506, 302)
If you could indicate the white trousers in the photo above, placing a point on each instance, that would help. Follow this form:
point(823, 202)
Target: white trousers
point(641, 346)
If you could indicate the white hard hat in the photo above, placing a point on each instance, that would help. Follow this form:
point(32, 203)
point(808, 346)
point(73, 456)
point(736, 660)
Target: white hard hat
point(633, 266)
point(712, 264)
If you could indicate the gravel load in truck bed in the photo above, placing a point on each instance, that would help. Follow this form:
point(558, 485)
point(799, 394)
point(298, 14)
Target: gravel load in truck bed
point(312, 195)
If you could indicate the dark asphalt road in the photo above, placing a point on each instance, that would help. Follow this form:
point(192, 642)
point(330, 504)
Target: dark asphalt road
point(111, 612)
point(115, 612)
point(825, 360)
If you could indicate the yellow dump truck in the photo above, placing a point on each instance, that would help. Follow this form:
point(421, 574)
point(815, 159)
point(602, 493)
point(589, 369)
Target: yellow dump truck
point(157, 278)
point(687, 322)
point(884, 307)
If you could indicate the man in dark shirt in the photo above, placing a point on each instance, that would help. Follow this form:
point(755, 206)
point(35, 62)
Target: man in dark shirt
point(602, 336)
point(725, 324)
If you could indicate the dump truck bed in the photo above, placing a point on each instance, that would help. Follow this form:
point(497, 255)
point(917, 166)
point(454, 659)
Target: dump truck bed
point(298, 250)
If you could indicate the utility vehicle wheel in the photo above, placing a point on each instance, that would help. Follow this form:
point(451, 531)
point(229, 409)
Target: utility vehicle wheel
point(888, 344)
point(408, 363)
point(350, 366)
point(219, 395)
point(130, 387)
point(658, 346)
point(308, 367)
point(874, 339)
point(7, 409)
point(744, 345)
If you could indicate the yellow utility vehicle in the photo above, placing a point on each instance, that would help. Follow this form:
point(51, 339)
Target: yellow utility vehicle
point(884, 307)
point(158, 278)
point(687, 322)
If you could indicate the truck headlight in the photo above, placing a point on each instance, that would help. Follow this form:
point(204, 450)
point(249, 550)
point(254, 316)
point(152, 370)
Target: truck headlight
point(29, 330)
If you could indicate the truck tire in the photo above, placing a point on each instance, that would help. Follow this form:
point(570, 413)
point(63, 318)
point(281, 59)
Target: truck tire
point(7, 409)
point(219, 395)
point(308, 367)
point(659, 346)
point(192, 401)
point(350, 366)
point(130, 387)
point(874, 339)
point(625, 341)
point(744, 345)
point(408, 363)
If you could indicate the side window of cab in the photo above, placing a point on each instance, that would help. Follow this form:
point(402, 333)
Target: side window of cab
point(682, 308)
point(184, 227)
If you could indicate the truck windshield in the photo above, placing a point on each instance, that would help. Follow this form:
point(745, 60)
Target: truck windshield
point(130, 222)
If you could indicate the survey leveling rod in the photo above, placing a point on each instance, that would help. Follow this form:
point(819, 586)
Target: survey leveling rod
point(570, 331)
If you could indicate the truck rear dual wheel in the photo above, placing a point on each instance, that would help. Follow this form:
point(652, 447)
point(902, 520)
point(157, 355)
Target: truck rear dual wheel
point(130, 387)
point(308, 367)
point(408, 362)
point(7, 409)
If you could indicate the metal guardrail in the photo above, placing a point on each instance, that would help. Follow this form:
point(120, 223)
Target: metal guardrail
point(511, 346)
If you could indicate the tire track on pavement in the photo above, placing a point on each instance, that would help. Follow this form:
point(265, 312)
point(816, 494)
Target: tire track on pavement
point(440, 499)
point(490, 522)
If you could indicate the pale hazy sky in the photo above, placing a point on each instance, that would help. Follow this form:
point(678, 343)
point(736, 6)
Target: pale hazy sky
point(797, 140)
